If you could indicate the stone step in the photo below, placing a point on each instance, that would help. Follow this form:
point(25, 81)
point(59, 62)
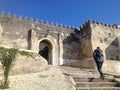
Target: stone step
point(96, 84)
point(84, 75)
point(77, 70)
point(97, 88)
point(90, 79)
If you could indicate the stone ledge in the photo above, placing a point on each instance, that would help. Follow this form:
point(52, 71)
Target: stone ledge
point(88, 64)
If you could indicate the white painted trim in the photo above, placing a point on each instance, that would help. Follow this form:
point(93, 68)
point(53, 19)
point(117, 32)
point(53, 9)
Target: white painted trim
point(66, 61)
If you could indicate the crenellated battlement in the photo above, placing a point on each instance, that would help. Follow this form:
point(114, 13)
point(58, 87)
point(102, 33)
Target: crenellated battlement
point(31, 20)
point(115, 26)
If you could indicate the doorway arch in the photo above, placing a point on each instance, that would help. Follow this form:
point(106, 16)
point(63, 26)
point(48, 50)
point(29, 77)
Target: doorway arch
point(46, 50)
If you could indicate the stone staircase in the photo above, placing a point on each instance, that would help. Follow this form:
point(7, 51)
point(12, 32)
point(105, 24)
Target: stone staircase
point(91, 83)
point(88, 79)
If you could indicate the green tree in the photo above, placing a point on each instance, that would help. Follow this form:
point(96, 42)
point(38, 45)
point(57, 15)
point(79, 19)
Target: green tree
point(7, 56)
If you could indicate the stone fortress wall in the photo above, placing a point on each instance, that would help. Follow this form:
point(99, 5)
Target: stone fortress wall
point(27, 33)
point(107, 37)
point(67, 45)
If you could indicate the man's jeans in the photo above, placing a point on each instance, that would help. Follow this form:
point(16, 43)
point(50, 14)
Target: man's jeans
point(99, 67)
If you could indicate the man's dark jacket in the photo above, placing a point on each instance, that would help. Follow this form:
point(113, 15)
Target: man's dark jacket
point(98, 56)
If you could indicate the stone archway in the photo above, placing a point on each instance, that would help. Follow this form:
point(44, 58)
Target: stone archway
point(46, 51)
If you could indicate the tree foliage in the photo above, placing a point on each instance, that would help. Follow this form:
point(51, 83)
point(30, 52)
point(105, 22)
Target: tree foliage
point(7, 56)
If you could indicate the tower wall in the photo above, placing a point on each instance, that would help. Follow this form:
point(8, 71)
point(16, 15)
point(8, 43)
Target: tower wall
point(107, 37)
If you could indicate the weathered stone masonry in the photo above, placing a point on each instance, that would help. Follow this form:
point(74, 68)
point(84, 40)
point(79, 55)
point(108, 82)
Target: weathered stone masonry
point(29, 34)
point(63, 45)
point(106, 36)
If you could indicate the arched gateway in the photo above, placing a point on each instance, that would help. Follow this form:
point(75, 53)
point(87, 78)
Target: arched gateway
point(47, 49)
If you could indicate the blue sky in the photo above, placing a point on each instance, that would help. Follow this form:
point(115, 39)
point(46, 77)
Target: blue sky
point(65, 12)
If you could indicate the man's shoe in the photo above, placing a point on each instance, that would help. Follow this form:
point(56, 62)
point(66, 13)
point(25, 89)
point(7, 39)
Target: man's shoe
point(103, 77)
